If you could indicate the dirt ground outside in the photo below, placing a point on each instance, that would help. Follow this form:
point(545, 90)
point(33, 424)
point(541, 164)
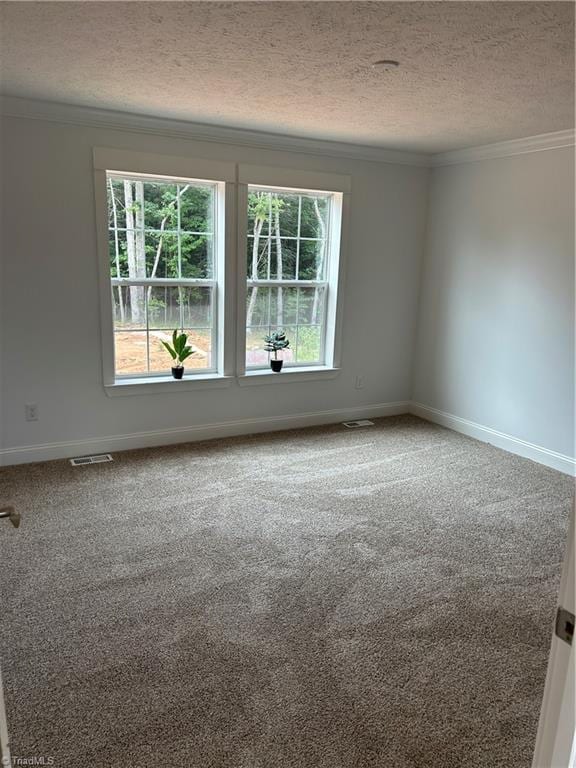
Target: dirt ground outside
point(130, 350)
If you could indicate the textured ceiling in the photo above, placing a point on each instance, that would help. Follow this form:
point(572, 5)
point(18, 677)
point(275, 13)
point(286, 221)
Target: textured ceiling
point(471, 72)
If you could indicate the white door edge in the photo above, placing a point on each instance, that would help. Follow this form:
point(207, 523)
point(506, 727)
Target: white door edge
point(556, 739)
point(5, 760)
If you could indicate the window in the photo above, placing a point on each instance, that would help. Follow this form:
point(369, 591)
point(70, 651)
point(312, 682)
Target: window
point(163, 270)
point(287, 273)
point(225, 252)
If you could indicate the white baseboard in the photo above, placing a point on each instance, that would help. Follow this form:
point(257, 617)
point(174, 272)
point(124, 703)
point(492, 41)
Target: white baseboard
point(48, 451)
point(62, 450)
point(559, 461)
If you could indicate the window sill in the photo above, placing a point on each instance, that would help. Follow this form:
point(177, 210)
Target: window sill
point(166, 385)
point(286, 376)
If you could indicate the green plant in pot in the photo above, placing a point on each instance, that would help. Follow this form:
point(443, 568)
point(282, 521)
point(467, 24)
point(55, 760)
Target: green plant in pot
point(179, 350)
point(274, 342)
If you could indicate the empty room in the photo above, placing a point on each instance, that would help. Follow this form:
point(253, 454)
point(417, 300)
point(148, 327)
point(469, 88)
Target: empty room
point(287, 384)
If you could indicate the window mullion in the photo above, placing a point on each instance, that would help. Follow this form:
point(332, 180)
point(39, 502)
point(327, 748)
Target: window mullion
point(324, 326)
point(159, 282)
point(269, 240)
point(178, 230)
point(213, 337)
point(179, 251)
point(287, 283)
point(238, 269)
point(298, 232)
point(297, 322)
point(147, 329)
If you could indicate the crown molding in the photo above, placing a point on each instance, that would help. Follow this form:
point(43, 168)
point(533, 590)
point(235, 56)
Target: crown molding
point(32, 109)
point(12, 106)
point(538, 143)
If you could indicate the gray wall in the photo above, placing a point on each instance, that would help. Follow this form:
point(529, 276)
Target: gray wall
point(493, 297)
point(50, 305)
point(496, 312)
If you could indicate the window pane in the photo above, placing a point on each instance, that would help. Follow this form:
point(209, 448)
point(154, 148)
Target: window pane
point(283, 306)
point(179, 307)
point(197, 254)
point(308, 346)
point(197, 307)
point(256, 355)
point(161, 254)
point(160, 359)
point(258, 258)
point(312, 260)
point(252, 250)
point(149, 221)
point(199, 339)
point(160, 208)
point(130, 352)
point(115, 188)
point(118, 253)
point(283, 255)
point(287, 221)
point(274, 213)
point(258, 213)
point(131, 251)
point(271, 306)
point(164, 307)
point(265, 260)
point(311, 306)
point(258, 306)
point(196, 208)
point(129, 307)
point(305, 344)
point(314, 216)
point(288, 355)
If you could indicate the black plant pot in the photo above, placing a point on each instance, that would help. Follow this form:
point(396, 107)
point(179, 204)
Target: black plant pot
point(177, 373)
point(276, 365)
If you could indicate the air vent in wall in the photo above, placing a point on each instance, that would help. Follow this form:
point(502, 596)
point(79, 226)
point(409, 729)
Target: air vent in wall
point(98, 459)
point(361, 423)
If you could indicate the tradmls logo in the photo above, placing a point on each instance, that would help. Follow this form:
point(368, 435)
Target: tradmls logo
point(33, 760)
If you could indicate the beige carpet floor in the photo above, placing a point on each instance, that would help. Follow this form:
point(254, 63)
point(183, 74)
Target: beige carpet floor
point(322, 598)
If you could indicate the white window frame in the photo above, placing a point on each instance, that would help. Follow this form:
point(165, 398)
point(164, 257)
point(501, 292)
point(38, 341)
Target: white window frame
point(299, 182)
point(214, 283)
point(170, 168)
point(233, 181)
point(334, 211)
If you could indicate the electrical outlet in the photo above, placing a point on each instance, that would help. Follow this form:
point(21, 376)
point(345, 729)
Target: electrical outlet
point(31, 411)
point(360, 381)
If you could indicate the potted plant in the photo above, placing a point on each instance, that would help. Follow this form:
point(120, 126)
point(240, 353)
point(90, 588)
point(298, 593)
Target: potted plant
point(179, 351)
point(275, 341)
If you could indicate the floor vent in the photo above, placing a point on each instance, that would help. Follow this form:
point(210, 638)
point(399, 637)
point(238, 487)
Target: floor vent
point(98, 459)
point(361, 423)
